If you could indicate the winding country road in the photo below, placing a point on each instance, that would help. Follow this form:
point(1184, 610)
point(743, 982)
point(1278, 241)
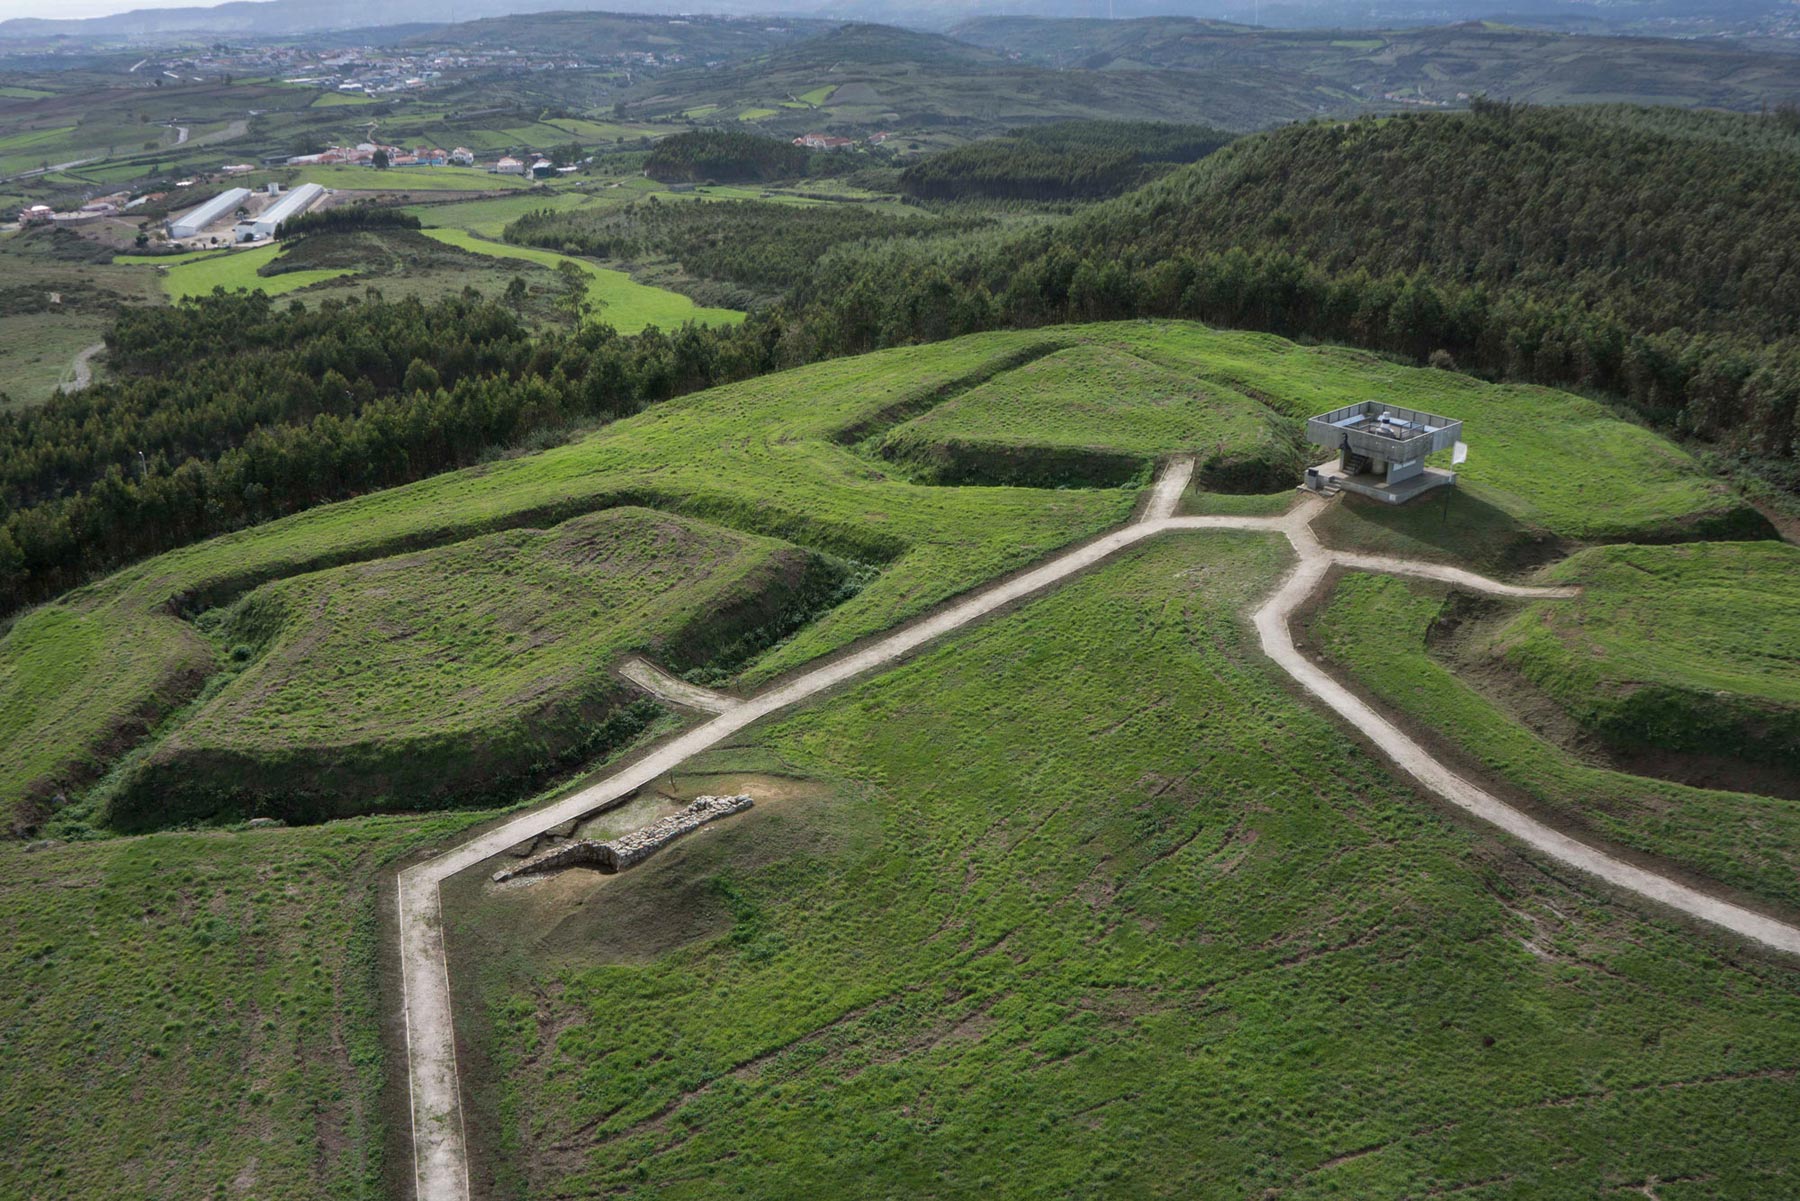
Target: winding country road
point(440, 1145)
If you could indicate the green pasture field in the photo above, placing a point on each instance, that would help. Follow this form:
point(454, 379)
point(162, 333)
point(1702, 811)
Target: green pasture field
point(410, 680)
point(1086, 902)
point(818, 95)
point(489, 218)
point(1376, 631)
point(26, 139)
point(14, 92)
point(1111, 409)
point(199, 1013)
point(1691, 648)
point(618, 300)
point(339, 100)
point(37, 350)
point(756, 114)
point(37, 343)
point(793, 475)
point(199, 273)
point(403, 179)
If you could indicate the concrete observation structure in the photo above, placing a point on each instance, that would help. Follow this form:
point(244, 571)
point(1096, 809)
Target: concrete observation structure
point(265, 223)
point(196, 220)
point(1381, 450)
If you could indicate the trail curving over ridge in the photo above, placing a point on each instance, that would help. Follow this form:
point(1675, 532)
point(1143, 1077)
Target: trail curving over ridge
point(440, 1145)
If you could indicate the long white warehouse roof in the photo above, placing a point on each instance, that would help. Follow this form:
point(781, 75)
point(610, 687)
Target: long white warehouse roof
point(290, 205)
point(212, 210)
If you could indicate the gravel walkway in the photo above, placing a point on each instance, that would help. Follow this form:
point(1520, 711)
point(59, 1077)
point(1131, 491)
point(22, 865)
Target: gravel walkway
point(440, 1146)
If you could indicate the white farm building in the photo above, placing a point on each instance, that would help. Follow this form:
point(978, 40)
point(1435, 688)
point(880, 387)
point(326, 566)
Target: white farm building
point(196, 220)
point(265, 223)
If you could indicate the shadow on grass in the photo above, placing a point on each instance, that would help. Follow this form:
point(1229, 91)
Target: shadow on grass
point(1447, 524)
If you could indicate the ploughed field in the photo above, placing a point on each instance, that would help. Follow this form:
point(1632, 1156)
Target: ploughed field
point(1083, 900)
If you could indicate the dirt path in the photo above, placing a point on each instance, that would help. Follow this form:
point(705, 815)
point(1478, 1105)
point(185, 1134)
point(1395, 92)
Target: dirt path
point(660, 684)
point(440, 1147)
point(83, 367)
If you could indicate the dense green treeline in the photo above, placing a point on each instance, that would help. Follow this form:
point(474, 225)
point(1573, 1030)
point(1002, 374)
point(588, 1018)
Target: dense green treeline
point(1066, 160)
point(753, 243)
point(1652, 255)
point(724, 156)
point(261, 412)
point(346, 219)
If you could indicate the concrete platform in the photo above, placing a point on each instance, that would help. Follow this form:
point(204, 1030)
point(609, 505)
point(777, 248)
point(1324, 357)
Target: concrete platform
point(1376, 487)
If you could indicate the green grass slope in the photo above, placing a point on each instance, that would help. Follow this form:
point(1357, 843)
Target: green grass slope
point(1375, 631)
point(617, 299)
point(1097, 415)
point(773, 456)
point(1687, 648)
point(465, 671)
point(199, 273)
point(195, 1015)
point(1093, 906)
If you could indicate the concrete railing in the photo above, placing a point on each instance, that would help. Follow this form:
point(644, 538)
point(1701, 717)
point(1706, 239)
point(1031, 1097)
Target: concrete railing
point(1443, 433)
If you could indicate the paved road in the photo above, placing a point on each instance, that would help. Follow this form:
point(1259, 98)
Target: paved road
point(440, 1147)
point(83, 367)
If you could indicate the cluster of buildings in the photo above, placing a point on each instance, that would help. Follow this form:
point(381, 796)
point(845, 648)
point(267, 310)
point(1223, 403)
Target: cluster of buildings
point(254, 222)
point(375, 71)
point(825, 141)
point(93, 210)
point(363, 155)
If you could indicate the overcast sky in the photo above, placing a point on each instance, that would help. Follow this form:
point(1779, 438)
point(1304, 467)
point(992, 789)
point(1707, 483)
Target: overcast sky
point(82, 8)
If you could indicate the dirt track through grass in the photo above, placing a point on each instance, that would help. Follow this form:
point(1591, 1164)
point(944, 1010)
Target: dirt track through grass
point(440, 1145)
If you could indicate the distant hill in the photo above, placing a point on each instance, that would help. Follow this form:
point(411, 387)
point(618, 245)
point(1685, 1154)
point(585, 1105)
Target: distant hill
point(866, 77)
point(707, 37)
point(275, 18)
point(1650, 253)
point(1683, 18)
point(1417, 66)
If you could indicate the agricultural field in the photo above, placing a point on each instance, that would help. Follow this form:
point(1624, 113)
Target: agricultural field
point(617, 299)
point(421, 680)
point(198, 273)
point(232, 977)
point(1086, 902)
point(489, 218)
point(1381, 633)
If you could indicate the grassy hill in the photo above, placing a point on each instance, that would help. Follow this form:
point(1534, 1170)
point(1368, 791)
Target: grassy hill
point(464, 672)
point(1646, 253)
point(1436, 65)
point(83, 678)
point(1693, 649)
point(1084, 896)
point(1380, 633)
point(1085, 902)
point(201, 1012)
